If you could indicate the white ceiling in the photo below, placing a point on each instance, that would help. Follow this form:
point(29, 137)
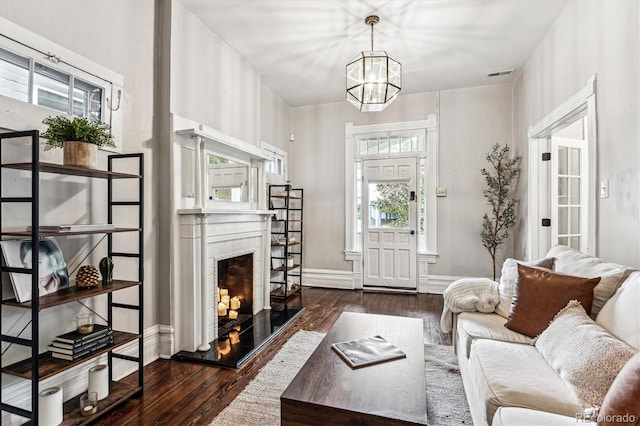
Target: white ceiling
point(301, 47)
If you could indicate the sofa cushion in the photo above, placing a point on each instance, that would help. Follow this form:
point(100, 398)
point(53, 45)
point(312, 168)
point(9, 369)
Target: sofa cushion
point(573, 262)
point(585, 355)
point(475, 325)
point(623, 397)
point(540, 295)
point(511, 416)
point(509, 280)
point(620, 316)
point(515, 375)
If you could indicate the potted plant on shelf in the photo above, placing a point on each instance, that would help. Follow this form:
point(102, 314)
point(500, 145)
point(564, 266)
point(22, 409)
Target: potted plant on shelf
point(78, 137)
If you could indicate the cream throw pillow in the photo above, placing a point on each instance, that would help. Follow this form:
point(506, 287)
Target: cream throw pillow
point(509, 280)
point(584, 354)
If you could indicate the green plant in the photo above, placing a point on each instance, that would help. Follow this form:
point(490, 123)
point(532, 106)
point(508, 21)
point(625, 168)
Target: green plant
point(500, 195)
point(61, 129)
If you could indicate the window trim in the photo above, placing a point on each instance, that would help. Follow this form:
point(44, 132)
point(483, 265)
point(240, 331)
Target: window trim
point(351, 156)
point(17, 114)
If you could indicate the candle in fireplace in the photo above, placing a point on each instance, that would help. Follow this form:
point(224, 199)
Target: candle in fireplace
point(233, 314)
point(224, 292)
point(235, 303)
point(225, 299)
point(222, 309)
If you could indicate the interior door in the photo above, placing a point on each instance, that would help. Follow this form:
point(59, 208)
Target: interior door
point(389, 223)
point(569, 192)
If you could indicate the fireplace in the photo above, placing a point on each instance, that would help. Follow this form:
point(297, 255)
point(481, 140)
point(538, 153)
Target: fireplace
point(234, 298)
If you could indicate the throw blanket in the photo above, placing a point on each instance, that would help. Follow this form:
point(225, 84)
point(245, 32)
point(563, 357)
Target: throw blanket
point(468, 295)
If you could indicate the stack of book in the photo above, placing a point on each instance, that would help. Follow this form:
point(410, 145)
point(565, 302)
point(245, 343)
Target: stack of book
point(74, 345)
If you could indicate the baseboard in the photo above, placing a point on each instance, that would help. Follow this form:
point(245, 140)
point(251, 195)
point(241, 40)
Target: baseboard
point(437, 284)
point(328, 278)
point(76, 380)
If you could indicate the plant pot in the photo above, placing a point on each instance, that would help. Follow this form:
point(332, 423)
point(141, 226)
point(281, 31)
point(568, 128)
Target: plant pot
point(80, 154)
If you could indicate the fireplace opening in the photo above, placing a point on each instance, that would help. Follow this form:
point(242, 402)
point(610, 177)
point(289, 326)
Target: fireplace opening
point(235, 292)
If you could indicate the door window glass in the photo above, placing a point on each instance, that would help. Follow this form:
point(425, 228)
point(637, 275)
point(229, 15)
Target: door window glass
point(389, 205)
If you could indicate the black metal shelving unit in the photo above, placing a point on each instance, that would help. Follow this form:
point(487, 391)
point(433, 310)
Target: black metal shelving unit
point(287, 202)
point(41, 365)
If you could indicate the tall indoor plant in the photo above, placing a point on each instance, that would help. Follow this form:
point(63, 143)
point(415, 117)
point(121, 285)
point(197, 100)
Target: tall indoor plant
point(501, 179)
point(78, 137)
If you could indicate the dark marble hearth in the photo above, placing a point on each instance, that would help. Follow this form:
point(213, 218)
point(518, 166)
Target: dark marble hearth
point(237, 343)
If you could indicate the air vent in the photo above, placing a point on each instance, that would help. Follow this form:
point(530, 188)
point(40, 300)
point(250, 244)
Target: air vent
point(498, 73)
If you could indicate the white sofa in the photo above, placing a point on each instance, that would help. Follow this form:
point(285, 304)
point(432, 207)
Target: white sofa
point(506, 379)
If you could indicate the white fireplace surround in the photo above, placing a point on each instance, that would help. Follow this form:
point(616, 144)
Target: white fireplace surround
point(226, 235)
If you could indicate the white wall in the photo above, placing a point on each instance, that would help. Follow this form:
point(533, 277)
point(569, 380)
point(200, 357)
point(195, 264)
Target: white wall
point(471, 120)
point(275, 119)
point(595, 37)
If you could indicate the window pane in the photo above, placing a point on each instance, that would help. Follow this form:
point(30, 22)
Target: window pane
point(14, 76)
point(575, 243)
point(574, 191)
point(563, 196)
point(395, 144)
point(563, 241)
point(87, 100)
point(563, 221)
point(575, 220)
point(384, 145)
point(389, 205)
point(406, 144)
point(574, 161)
point(362, 144)
point(373, 146)
point(563, 167)
point(51, 88)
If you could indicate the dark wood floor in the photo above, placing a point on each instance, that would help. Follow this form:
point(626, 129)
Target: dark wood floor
point(188, 393)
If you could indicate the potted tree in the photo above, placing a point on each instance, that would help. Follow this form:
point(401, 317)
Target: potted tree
point(78, 137)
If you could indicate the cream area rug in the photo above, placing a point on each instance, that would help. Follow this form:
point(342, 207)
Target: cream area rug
point(259, 403)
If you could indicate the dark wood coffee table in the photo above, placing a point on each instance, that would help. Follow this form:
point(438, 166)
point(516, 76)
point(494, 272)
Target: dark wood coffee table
point(327, 391)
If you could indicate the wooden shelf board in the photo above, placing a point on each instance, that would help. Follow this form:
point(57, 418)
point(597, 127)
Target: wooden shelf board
point(72, 294)
point(118, 393)
point(282, 245)
point(72, 170)
point(279, 294)
point(291, 197)
point(23, 233)
point(50, 366)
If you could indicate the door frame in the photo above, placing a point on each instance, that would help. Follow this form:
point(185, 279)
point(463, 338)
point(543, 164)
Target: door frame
point(582, 104)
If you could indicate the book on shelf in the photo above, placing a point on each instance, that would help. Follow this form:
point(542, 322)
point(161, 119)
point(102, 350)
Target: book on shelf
point(75, 228)
point(74, 337)
point(108, 339)
point(371, 350)
point(83, 343)
point(79, 354)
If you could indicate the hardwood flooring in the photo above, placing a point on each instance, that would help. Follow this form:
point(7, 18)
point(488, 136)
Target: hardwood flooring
point(188, 393)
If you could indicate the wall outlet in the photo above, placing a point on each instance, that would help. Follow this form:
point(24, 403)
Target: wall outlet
point(604, 188)
point(441, 192)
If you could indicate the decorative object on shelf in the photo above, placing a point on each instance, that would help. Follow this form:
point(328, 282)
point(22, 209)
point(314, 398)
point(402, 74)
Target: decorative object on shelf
point(374, 79)
point(106, 269)
point(87, 277)
point(78, 137)
point(290, 261)
point(84, 323)
point(52, 266)
point(89, 403)
point(50, 401)
point(99, 380)
point(501, 180)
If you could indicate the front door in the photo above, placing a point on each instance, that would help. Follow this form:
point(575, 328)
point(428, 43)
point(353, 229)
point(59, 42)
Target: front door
point(389, 223)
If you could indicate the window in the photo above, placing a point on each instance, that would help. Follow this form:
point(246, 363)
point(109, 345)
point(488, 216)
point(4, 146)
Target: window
point(408, 139)
point(276, 166)
point(37, 72)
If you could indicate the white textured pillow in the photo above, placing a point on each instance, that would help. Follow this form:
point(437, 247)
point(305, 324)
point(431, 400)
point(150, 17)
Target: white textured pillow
point(584, 354)
point(509, 280)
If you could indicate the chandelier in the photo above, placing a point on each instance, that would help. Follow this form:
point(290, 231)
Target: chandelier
point(373, 78)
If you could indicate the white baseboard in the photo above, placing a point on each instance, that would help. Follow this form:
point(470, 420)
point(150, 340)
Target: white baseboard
point(166, 343)
point(76, 380)
point(328, 278)
point(437, 284)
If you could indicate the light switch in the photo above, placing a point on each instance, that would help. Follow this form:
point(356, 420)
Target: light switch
point(441, 192)
point(604, 188)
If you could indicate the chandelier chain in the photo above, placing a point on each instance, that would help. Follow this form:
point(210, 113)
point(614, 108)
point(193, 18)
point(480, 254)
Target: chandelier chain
point(372, 36)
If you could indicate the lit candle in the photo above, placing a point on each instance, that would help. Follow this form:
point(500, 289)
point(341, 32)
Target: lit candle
point(225, 299)
point(235, 303)
point(224, 292)
point(234, 337)
point(222, 309)
point(233, 314)
point(218, 294)
point(224, 347)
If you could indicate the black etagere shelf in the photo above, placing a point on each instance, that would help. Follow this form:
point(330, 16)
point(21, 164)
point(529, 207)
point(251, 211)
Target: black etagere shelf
point(286, 240)
point(41, 365)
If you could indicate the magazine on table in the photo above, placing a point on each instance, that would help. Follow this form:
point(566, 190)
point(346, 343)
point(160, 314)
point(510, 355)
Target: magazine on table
point(52, 267)
point(371, 350)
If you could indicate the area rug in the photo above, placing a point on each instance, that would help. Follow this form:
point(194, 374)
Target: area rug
point(259, 402)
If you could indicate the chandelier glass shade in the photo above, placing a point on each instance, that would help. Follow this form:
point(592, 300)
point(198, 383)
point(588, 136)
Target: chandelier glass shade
point(374, 79)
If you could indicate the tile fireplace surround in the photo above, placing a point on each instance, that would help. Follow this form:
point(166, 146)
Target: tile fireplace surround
point(228, 234)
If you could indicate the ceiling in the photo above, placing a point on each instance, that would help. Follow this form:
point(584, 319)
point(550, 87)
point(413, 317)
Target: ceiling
point(301, 47)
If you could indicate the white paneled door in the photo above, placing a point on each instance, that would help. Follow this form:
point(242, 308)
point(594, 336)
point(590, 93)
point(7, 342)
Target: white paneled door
point(389, 223)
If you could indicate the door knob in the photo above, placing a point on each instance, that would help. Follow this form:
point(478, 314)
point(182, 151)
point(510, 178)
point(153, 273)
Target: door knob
point(412, 232)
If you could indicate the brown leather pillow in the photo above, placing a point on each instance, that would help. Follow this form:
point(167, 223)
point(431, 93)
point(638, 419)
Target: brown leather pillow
point(539, 296)
point(621, 405)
